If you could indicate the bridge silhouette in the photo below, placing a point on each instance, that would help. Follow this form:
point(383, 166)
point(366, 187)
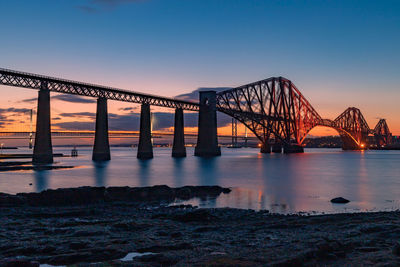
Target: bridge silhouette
point(273, 109)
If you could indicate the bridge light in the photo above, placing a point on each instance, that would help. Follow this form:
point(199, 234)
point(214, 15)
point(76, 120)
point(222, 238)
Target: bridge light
point(362, 145)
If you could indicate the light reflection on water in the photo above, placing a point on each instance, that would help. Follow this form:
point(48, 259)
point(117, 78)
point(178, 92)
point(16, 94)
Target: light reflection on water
point(277, 182)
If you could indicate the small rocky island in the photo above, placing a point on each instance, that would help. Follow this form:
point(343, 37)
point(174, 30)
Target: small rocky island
point(123, 226)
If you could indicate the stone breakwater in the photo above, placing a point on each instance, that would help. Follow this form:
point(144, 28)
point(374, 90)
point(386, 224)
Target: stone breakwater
point(103, 232)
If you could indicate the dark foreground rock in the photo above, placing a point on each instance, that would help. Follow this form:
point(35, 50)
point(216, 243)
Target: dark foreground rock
point(91, 195)
point(340, 200)
point(104, 232)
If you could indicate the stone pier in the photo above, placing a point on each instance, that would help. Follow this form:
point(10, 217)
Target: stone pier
point(207, 140)
point(288, 149)
point(178, 148)
point(265, 148)
point(277, 148)
point(43, 149)
point(145, 147)
point(101, 148)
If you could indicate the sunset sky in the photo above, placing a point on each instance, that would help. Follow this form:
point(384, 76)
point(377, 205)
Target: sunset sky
point(338, 54)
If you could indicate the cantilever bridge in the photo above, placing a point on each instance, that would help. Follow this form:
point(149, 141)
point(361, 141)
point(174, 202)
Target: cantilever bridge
point(273, 109)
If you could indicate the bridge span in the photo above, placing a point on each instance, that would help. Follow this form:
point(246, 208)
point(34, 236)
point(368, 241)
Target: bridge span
point(273, 109)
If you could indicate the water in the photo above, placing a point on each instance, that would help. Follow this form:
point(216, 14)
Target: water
point(277, 182)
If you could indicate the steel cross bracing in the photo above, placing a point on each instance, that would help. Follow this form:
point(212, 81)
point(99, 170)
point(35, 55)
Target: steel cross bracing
point(272, 109)
point(382, 134)
point(276, 112)
point(34, 81)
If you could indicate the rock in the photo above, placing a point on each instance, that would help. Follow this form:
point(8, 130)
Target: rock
point(396, 249)
point(184, 193)
point(77, 245)
point(200, 215)
point(340, 200)
point(162, 248)
point(19, 263)
point(176, 234)
point(160, 259)
point(7, 200)
point(93, 195)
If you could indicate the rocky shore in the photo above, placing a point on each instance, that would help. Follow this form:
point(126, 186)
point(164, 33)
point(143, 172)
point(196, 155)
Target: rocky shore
point(122, 226)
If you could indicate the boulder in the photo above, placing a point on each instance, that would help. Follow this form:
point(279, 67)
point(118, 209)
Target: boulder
point(340, 200)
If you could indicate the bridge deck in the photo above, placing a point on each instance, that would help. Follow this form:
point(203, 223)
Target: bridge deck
point(34, 81)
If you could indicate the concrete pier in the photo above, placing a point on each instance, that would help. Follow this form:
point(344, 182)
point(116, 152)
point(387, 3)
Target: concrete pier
point(43, 149)
point(207, 140)
point(288, 149)
point(145, 147)
point(265, 148)
point(101, 148)
point(277, 148)
point(178, 148)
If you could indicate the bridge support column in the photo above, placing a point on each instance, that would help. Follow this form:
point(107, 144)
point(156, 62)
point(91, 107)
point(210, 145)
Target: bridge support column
point(43, 149)
point(145, 147)
point(265, 148)
point(178, 148)
point(277, 148)
point(101, 148)
point(288, 149)
point(207, 140)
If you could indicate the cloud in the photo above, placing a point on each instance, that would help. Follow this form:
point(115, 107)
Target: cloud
point(131, 122)
point(75, 126)
point(94, 6)
point(29, 100)
point(129, 109)
point(15, 110)
point(87, 9)
point(194, 95)
point(6, 113)
point(78, 114)
point(74, 98)
point(115, 2)
point(64, 97)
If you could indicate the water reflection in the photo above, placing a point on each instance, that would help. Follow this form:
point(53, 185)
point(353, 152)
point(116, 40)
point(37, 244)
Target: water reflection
point(100, 173)
point(207, 171)
point(282, 181)
point(207, 174)
point(178, 171)
point(41, 180)
point(144, 172)
point(277, 182)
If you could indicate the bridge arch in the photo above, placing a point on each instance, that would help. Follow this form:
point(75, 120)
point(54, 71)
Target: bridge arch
point(276, 112)
point(348, 141)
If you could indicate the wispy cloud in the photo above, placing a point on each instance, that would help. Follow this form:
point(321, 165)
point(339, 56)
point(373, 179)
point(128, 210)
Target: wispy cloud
point(87, 9)
point(94, 6)
point(131, 121)
point(74, 98)
point(115, 2)
point(194, 95)
point(66, 98)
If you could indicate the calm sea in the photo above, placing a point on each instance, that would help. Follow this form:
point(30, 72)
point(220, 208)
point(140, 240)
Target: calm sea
point(277, 182)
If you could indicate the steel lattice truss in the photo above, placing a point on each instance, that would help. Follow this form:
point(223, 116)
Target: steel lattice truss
point(383, 136)
point(353, 128)
point(271, 109)
point(275, 111)
point(34, 81)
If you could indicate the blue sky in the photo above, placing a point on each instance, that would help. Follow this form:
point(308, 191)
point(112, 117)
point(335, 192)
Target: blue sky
point(338, 53)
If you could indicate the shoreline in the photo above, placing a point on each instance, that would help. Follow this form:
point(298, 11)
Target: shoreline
point(104, 225)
